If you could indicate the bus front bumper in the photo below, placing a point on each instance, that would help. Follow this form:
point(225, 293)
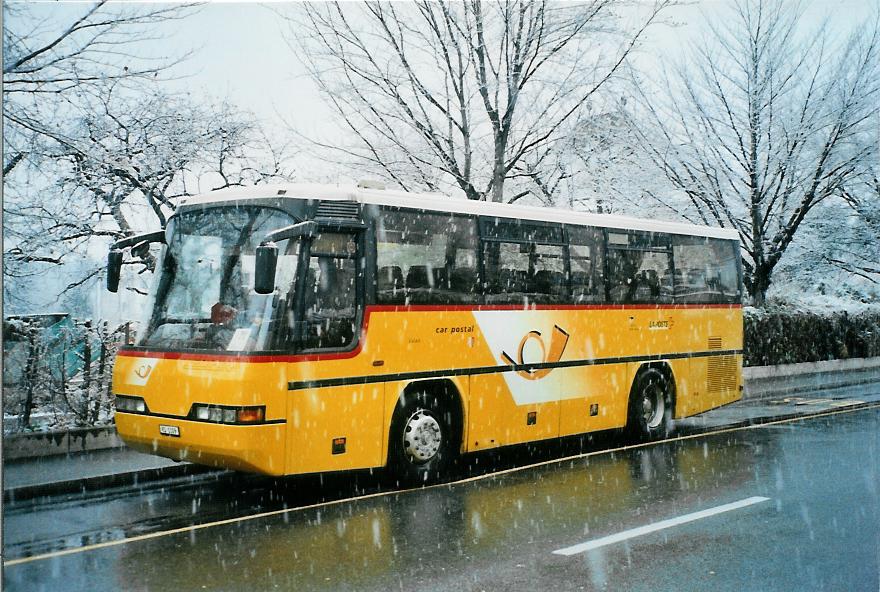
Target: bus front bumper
point(257, 448)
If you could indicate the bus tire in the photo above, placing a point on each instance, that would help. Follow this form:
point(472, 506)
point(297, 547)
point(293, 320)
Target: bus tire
point(649, 413)
point(421, 446)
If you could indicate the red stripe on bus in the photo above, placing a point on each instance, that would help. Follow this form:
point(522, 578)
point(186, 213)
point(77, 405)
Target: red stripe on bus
point(269, 358)
point(248, 358)
point(482, 307)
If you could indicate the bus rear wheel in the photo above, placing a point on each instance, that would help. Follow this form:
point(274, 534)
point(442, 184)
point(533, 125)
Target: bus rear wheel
point(421, 446)
point(649, 415)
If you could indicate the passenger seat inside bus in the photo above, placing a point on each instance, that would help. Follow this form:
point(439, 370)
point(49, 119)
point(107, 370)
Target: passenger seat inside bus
point(464, 280)
point(441, 279)
point(390, 278)
point(418, 278)
point(419, 286)
point(548, 282)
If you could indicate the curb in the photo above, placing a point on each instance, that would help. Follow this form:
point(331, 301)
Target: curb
point(757, 421)
point(91, 484)
point(768, 392)
point(806, 368)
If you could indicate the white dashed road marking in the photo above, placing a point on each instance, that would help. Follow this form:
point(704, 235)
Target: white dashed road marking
point(635, 532)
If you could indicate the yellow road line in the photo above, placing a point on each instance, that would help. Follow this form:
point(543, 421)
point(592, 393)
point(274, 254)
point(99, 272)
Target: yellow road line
point(195, 527)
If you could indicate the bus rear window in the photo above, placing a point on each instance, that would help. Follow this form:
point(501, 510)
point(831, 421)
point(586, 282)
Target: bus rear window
point(705, 270)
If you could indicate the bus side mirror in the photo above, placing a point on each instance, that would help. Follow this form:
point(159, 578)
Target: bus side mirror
point(141, 250)
point(140, 246)
point(114, 267)
point(264, 268)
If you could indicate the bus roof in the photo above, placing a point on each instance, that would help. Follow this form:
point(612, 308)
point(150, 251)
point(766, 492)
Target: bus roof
point(442, 203)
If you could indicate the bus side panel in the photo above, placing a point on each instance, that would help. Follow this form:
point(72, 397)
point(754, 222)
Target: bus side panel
point(515, 406)
point(695, 401)
point(496, 419)
point(717, 381)
point(715, 378)
point(684, 384)
point(595, 385)
point(319, 416)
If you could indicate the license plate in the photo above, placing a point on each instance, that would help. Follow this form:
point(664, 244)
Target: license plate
point(167, 430)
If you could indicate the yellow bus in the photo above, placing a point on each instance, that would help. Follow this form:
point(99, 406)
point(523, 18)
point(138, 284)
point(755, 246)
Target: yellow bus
point(305, 328)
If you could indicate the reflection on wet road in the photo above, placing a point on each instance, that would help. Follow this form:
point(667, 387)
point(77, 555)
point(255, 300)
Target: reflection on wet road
point(820, 528)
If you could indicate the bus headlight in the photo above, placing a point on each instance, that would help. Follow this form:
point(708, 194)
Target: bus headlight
point(227, 415)
point(129, 404)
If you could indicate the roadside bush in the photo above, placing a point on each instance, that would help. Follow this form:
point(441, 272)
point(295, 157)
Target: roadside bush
point(56, 372)
point(788, 336)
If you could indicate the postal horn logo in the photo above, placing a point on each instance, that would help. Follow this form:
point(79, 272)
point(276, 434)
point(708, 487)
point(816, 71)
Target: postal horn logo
point(558, 341)
point(143, 370)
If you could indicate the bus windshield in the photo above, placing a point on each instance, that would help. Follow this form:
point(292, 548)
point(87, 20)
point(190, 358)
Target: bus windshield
point(204, 297)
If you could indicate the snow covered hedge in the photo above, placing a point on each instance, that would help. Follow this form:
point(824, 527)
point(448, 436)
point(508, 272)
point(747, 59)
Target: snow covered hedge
point(788, 335)
point(56, 372)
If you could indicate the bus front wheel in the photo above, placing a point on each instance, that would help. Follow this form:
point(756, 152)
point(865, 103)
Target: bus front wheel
point(649, 414)
point(421, 446)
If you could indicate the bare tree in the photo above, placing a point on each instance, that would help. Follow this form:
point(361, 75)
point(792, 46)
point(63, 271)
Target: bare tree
point(123, 168)
point(465, 95)
point(50, 64)
point(95, 148)
point(158, 147)
point(56, 65)
point(856, 250)
point(762, 122)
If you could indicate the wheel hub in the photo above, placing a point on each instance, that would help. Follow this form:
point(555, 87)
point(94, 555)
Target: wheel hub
point(653, 406)
point(421, 437)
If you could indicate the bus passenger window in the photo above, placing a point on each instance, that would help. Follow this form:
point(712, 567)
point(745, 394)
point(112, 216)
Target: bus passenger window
point(524, 273)
point(639, 269)
point(587, 264)
point(583, 288)
point(523, 263)
point(507, 272)
point(330, 311)
point(425, 258)
point(547, 273)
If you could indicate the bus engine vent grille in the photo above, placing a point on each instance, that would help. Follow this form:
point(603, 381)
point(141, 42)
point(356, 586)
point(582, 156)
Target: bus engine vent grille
point(715, 343)
point(345, 210)
point(721, 374)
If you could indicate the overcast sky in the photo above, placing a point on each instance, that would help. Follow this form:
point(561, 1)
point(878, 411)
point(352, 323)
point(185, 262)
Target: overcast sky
point(241, 53)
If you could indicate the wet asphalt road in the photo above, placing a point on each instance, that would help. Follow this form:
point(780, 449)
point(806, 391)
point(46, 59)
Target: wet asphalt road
point(818, 530)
